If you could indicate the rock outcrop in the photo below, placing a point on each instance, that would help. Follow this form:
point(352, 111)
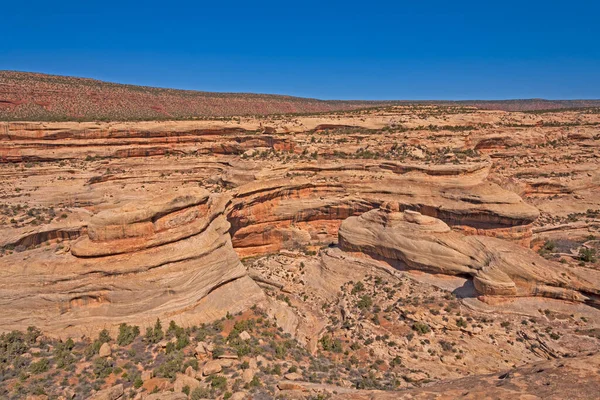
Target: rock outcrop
point(168, 258)
point(570, 378)
point(411, 240)
point(35, 142)
point(291, 210)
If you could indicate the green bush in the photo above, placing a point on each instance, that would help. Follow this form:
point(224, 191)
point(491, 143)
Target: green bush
point(365, 302)
point(39, 367)
point(102, 367)
point(587, 255)
point(358, 287)
point(218, 382)
point(330, 344)
point(104, 336)
point(421, 328)
point(127, 334)
point(62, 354)
point(156, 334)
point(171, 366)
point(201, 393)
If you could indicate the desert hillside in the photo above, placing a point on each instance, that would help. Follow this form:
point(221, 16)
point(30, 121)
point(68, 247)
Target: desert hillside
point(39, 97)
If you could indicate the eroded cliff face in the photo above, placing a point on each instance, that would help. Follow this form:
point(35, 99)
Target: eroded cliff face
point(305, 205)
point(29, 142)
point(169, 257)
point(409, 240)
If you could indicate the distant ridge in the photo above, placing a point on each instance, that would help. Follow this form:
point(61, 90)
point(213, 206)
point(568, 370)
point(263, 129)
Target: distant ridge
point(26, 96)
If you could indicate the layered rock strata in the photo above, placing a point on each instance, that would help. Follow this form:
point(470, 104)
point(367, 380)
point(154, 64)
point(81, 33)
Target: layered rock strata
point(414, 241)
point(305, 205)
point(37, 142)
point(168, 258)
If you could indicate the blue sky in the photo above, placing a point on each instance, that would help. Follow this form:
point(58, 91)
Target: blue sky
point(324, 49)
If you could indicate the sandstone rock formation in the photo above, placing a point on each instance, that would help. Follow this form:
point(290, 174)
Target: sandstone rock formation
point(287, 211)
point(556, 379)
point(104, 222)
point(411, 240)
point(169, 258)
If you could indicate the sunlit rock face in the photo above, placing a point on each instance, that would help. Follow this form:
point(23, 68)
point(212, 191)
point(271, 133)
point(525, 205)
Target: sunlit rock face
point(169, 257)
point(282, 210)
point(410, 240)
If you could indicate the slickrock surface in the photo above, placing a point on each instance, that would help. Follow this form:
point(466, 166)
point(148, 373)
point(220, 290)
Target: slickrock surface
point(557, 379)
point(305, 205)
point(409, 240)
point(168, 257)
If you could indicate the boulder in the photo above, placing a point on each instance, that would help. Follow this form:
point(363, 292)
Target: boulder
point(293, 376)
point(245, 335)
point(146, 375)
point(166, 396)
point(248, 375)
point(212, 367)
point(182, 380)
point(105, 350)
point(112, 393)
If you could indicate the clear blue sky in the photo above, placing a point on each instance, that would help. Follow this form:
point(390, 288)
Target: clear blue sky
point(325, 49)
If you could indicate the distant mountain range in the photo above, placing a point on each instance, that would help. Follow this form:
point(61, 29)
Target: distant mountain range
point(28, 96)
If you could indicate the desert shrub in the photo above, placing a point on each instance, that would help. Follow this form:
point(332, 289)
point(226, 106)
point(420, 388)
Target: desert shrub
point(421, 328)
point(461, 323)
point(358, 287)
point(62, 354)
point(104, 336)
point(39, 367)
point(201, 393)
point(172, 365)
point(191, 363)
point(156, 334)
point(365, 302)
point(138, 382)
point(330, 344)
point(255, 382)
point(218, 382)
point(446, 346)
point(587, 255)
point(127, 334)
point(102, 367)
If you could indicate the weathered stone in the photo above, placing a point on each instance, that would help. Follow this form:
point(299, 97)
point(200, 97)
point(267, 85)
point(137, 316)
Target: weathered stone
point(151, 259)
point(166, 396)
point(212, 367)
point(146, 375)
point(183, 380)
point(112, 393)
point(245, 335)
point(105, 350)
point(293, 376)
point(499, 268)
point(247, 375)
